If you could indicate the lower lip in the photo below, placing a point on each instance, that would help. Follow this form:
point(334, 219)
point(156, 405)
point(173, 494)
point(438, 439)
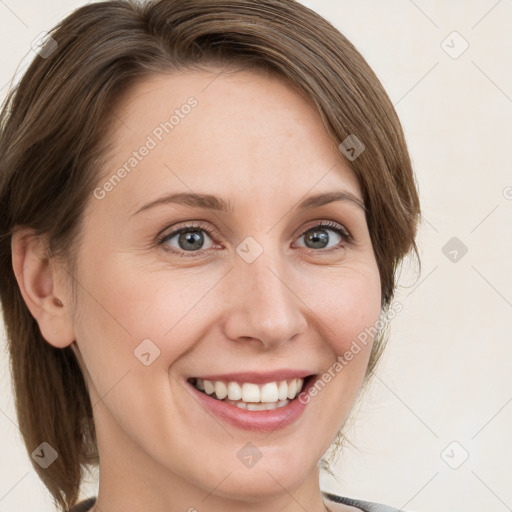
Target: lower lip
point(259, 421)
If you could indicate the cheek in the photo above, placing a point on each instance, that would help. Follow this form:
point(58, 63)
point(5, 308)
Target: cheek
point(127, 303)
point(348, 306)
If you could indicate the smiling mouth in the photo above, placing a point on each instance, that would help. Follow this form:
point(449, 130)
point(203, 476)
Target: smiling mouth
point(251, 396)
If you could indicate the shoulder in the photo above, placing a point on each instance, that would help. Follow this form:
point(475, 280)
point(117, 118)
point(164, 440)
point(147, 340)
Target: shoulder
point(365, 506)
point(83, 506)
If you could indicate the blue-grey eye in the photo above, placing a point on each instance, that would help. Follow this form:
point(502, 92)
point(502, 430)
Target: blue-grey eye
point(318, 237)
point(188, 239)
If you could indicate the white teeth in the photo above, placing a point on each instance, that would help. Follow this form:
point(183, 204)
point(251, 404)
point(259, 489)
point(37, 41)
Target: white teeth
point(259, 407)
point(283, 390)
point(270, 393)
point(250, 392)
point(221, 390)
point(234, 391)
point(209, 388)
point(292, 389)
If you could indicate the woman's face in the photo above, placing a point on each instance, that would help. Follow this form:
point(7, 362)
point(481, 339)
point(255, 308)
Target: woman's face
point(254, 288)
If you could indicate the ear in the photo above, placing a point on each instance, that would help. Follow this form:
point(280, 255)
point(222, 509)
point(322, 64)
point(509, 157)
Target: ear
point(42, 283)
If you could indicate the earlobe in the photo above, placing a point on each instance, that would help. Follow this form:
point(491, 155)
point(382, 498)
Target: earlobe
point(39, 285)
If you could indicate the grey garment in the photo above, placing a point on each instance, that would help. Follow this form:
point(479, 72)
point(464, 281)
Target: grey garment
point(366, 506)
point(83, 506)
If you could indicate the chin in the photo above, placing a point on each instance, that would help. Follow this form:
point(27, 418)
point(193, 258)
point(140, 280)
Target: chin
point(255, 487)
point(263, 481)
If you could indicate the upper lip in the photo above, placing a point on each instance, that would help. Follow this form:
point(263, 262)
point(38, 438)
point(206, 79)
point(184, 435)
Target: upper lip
point(258, 377)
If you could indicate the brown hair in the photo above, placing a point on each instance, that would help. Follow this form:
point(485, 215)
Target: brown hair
point(53, 138)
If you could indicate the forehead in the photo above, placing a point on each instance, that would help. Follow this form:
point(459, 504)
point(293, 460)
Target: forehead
point(207, 129)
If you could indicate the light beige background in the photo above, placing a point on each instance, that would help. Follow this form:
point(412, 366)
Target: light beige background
point(444, 388)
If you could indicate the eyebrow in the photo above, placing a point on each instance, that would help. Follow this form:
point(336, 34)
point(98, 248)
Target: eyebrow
point(210, 202)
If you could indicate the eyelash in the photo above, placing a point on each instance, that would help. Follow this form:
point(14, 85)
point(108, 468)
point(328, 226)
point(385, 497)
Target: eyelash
point(340, 230)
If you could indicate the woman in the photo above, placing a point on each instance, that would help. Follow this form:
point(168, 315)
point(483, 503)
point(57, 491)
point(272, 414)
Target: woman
point(204, 206)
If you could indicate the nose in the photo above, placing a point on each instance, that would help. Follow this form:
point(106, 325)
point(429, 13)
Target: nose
point(264, 305)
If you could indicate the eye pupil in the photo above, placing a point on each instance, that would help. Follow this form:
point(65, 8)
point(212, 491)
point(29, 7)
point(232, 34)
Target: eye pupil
point(319, 238)
point(191, 237)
